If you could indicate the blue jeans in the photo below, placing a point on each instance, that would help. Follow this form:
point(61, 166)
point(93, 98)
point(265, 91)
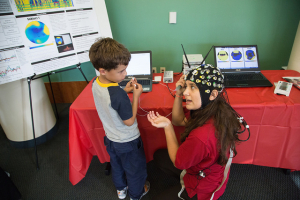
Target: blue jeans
point(128, 165)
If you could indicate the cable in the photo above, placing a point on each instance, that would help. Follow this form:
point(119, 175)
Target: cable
point(200, 175)
point(184, 100)
point(170, 90)
point(239, 117)
point(147, 111)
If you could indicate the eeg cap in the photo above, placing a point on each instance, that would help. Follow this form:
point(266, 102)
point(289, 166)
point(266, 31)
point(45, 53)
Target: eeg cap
point(207, 78)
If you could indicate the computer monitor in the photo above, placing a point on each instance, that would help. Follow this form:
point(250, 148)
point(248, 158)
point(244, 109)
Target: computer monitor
point(140, 64)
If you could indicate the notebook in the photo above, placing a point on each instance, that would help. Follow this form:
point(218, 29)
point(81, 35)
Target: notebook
point(140, 67)
point(240, 66)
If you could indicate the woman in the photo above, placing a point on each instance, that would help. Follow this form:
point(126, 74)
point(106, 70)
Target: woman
point(211, 131)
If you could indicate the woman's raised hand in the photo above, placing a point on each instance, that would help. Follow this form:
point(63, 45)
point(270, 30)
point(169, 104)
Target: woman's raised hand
point(180, 85)
point(157, 120)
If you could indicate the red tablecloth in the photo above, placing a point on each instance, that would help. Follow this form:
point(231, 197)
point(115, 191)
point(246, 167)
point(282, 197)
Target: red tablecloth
point(274, 122)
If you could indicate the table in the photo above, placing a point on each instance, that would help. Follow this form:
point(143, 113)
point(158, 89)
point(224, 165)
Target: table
point(274, 122)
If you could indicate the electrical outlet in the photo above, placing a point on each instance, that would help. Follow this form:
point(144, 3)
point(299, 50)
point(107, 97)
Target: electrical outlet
point(153, 70)
point(162, 69)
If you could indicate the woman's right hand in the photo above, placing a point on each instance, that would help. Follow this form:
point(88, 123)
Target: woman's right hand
point(180, 83)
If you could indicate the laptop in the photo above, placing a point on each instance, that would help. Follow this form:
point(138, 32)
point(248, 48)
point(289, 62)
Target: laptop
point(240, 66)
point(140, 67)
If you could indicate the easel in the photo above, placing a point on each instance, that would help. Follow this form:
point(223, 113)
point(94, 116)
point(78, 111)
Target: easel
point(29, 79)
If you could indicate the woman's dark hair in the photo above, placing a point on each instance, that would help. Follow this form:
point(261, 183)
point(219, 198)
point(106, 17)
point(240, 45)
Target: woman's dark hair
point(225, 121)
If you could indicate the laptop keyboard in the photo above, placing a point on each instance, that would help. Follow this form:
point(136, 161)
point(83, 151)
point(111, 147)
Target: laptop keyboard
point(244, 77)
point(142, 82)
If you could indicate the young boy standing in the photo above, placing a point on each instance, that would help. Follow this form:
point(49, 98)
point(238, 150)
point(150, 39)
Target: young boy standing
point(123, 142)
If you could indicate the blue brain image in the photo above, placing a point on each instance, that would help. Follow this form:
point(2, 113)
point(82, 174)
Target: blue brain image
point(37, 32)
point(236, 55)
point(250, 55)
point(59, 40)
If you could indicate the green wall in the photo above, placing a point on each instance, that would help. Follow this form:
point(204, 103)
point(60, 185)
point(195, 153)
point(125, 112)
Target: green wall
point(144, 25)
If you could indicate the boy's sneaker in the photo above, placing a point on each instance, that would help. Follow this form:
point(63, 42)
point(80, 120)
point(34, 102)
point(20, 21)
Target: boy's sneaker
point(122, 193)
point(146, 189)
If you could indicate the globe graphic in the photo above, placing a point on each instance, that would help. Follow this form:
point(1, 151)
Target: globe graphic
point(236, 55)
point(37, 32)
point(250, 55)
point(223, 55)
point(58, 40)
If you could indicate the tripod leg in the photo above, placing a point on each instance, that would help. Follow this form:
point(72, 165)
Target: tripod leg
point(78, 66)
point(32, 121)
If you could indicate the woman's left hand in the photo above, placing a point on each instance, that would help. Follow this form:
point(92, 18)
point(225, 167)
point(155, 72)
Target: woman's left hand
point(158, 120)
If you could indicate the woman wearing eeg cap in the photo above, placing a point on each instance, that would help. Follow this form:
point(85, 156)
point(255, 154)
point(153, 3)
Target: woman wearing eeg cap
point(211, 131)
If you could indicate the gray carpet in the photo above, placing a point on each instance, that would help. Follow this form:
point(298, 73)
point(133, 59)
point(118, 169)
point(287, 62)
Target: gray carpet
point(51, 181)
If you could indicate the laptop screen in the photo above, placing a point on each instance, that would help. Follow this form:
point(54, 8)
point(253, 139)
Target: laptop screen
point(237, 58)
point(140, 64)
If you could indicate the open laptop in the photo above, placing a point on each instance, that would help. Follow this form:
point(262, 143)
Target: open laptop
point(140, 67)
point(240, 66)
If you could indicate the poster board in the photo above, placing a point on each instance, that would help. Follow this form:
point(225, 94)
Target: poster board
point(41, 36)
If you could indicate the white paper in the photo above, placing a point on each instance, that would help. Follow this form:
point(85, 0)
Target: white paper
point(14, 64)
point(38, 36)
point(85, 30)
point(157, 78)
point(55, 49)
point(10, 34)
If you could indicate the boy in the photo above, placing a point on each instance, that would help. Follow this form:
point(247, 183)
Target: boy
point(123, 142)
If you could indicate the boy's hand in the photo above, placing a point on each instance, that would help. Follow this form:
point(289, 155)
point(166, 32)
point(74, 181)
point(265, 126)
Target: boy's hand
point(157, 120)
point(130, 85)
point(180, 83)
point(137, 90)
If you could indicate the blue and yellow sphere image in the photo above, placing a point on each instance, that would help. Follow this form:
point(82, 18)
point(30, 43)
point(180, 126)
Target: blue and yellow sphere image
point(223, 55)
point(58, 40)
point(236, 55)
point(250, 55)
point(37, 32)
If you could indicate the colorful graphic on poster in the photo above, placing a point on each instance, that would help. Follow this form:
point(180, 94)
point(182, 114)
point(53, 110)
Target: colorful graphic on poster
point(33, 5)
point(59, 40)
point(37, 32)
point(64, 42)
point(250, 55)
point(9, 56)
point(9, 69)
point(223, 55)
point(236, 55)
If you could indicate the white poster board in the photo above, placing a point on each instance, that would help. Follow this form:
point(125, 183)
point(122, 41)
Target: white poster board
point(294, 62)
point(42, 36)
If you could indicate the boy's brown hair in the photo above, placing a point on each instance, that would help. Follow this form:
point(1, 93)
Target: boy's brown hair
point(107, 53)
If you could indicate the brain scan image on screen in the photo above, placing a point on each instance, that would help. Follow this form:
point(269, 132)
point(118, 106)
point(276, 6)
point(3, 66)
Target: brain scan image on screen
point(250, 54)
point(236, 55)
point(223, 55)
